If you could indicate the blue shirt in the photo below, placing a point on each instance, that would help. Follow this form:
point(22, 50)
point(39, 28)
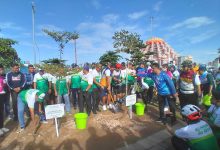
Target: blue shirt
point(163, 83)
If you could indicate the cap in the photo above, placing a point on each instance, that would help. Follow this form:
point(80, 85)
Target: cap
point(118, 66)
point(86, 68)
point(202, 67)
point(41, 96)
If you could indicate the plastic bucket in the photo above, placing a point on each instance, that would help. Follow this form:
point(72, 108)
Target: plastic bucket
point(81, 120)
point(207, 100)
point(140, 109)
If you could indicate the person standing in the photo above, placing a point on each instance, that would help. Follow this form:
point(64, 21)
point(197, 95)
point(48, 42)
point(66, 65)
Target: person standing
point(30, 77)
point(3, 92)
point(42, 82)
point(166, 91)
point(117, 82)
point(207, 84)
point(96, 87)
point(16, 82)
point(86, 90)
point(106, 83)
point(217, 79)
point(74, 82)
point(62, 91)
point(189, 85)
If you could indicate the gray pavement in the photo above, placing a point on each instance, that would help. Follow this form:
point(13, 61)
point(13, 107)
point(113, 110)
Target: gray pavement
point(157, 141)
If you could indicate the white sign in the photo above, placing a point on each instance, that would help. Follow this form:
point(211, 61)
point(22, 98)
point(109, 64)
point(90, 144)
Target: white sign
point(54, 111)
point(130, 100)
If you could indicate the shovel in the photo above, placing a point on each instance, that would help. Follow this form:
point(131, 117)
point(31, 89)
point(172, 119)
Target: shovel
point(115, 106)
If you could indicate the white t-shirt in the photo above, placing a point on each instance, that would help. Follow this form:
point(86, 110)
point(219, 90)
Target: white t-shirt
point(124, 73)
point(215, 115)
point(116, 73)
point(95, 73)
point(189, 87)
point(194, 131)
point(106, 72)
point(132, 72)
point(30, 97)
point(88, 77)
point(37, 76)
point(53, 79)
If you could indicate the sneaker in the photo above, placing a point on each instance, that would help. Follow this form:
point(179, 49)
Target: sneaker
point(20, 130)
point(104, 107)
point(110, 106)
point(43, 122)
point(166, 108)
point(5, 130)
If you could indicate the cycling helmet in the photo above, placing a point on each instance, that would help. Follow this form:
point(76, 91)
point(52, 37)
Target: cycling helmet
point(191, 112)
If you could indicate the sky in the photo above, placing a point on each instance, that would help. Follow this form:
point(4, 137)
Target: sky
point(190, 27)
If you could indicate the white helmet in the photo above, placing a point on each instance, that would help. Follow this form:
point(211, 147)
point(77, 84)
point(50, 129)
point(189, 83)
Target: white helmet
point(148, 63)
point(192, 112)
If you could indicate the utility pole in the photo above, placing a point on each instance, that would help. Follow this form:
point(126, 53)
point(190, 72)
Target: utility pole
point(33, 31)
point(75, 51)
point(151, 24)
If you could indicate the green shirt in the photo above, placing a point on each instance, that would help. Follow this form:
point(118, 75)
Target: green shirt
point(131, 79)
point(75, 81)
point(149, 81)
point(84, 84)
point(61, 86)
point(42, 82)
point(28, 97)
point(97, 78)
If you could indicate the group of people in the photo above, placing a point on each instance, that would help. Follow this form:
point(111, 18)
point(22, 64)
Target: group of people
point(95, 85)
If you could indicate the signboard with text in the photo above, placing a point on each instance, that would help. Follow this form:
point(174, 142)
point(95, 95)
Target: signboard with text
point(54, 111)
point(131, 100)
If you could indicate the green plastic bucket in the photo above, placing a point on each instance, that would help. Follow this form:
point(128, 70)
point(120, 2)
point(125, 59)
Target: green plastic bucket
point(206, 100)
point(140, 109)
point(81, 120)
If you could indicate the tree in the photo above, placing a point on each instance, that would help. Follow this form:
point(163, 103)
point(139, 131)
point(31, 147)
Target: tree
point(8, 54)
point(54, 61)
point(109, 56)
point(130, 43)
point(62, 38)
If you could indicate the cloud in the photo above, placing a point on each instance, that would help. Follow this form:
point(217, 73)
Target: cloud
point(137, 15)
point(157, 6)
point(203, 36)
point(193, 22)
point(96, 4)
point(10, 25)
point(110, 18)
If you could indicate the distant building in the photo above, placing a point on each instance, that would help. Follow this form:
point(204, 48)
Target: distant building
point(215, 63)
point(181, 59)
point(164, 53)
